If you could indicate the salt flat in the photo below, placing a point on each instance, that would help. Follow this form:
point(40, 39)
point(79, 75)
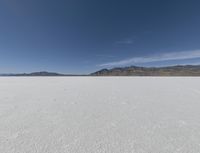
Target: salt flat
point(99, 115)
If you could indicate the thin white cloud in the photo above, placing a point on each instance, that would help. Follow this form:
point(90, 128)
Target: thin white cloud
point(155, 58)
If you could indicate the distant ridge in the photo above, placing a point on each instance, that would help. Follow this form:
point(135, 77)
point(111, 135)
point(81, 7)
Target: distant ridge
point(42, 73)
point(179, 70)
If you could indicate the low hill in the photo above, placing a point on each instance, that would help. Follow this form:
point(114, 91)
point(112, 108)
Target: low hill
point(42, 73)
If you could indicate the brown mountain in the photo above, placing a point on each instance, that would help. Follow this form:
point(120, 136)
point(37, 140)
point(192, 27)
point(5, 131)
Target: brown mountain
point(180, 70)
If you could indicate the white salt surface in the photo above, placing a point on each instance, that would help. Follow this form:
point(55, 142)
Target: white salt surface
point(99, 115)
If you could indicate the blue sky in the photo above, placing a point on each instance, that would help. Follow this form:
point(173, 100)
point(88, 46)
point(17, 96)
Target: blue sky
point(82, 36)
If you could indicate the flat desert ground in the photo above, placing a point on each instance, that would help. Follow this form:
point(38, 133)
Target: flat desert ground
point(99, 115)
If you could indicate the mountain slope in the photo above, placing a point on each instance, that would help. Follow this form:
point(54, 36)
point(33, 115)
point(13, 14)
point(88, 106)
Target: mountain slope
point(185, 70)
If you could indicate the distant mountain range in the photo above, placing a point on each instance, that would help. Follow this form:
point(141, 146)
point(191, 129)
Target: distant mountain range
point(180, 70)
point(42, 73)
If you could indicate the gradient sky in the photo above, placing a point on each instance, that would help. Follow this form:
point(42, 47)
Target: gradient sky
point(82, 36)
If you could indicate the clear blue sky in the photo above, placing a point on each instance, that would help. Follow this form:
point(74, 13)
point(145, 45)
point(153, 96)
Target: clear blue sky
point(81, 36)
